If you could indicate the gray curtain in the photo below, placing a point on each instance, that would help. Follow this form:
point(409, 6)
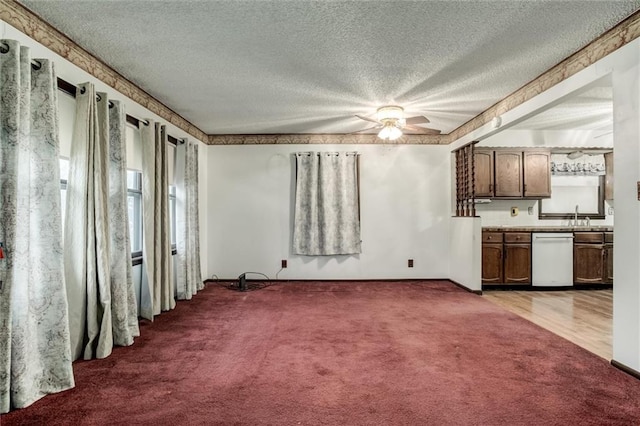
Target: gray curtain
point(35, 359)
point(157, 293)
point(189, 277)
point(327, 217)
point(124, 307)
point(86, 237)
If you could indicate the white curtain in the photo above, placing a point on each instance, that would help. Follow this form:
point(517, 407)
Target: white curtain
point(327, 216)
point(35, 359)
point(189, 278)
point(86, 237)
point(124, 307)
point(157, 293)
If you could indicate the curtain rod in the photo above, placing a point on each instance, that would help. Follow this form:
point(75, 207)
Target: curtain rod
point(71, 89)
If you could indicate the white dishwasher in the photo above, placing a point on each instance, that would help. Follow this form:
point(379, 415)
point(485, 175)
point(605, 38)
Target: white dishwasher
point(552, 259)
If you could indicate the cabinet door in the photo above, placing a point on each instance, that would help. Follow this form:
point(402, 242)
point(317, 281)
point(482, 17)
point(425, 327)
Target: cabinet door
point(491, 263)
point(508, 173)
point(517, 263)
point(483, 173)
point(608, 264)
point(588, 263)
point(537, 174)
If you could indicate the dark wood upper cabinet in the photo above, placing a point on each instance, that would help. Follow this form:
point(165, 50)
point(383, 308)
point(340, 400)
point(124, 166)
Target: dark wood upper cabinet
point(508, 173)
point(537, 174)
point(483, 172)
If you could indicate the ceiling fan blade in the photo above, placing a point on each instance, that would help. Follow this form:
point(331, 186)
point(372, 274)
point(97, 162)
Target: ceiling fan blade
point(421, 130)
point(418, 119)
point(365, 130)
point(362, 117)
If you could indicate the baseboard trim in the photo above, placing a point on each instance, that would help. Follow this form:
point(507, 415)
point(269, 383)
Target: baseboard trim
point(630, 371)
point(457, 284)
point(529, 287)
point(355, 280)
point(478, 292)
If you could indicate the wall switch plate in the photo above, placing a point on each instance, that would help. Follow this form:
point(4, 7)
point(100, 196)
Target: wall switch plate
point(514, 211)
point(410, 263)
point(530, 210)
point(283, 263)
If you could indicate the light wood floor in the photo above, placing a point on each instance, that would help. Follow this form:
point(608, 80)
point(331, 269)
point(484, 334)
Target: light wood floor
point(582, 316)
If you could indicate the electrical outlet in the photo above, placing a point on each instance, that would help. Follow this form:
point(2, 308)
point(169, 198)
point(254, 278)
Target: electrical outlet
point(530, 210)
point(610, 211)
point(410, 263)
point(284, 263)
point(514, 211)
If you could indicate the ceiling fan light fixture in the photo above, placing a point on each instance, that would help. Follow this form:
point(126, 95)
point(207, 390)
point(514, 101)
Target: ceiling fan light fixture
point(390, 132)
point(390, 112)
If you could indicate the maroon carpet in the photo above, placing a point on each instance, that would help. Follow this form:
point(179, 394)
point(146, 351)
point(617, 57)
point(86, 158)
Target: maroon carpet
point(424, 353)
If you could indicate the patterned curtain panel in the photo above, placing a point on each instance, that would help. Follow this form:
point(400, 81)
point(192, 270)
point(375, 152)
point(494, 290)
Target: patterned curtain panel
point(35, 359)
point(86, 237)
point(124, 307)
point(327, 216)
point(189, 276)
point(157, 293)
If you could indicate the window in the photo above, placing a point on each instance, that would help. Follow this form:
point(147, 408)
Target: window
point(64, 176)
point(134, 201)
point(172, 215)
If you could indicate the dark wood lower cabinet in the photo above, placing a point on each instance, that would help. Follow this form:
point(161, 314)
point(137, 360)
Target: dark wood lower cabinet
point(492, 263)
point(593, 258)
point(508, 262)
point(588, 263)
point(517, 263)
point(506, 258)
point(608, 263)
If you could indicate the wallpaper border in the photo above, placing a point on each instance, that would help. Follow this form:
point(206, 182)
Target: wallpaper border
point(322, 139)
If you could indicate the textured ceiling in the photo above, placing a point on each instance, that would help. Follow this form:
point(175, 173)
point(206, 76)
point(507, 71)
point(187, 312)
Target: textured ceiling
point(256, 67)
point(588, 110)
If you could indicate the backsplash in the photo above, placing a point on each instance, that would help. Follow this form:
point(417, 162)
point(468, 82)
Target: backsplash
point(498, 213)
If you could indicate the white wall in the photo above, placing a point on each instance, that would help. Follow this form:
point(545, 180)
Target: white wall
point(626, 158)
point(465, 248)
point(404, 213)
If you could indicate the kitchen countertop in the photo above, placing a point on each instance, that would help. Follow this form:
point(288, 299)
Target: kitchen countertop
point(548, 228)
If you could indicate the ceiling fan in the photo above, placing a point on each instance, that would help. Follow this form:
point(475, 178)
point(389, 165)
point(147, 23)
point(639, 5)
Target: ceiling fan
point(391, 122)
